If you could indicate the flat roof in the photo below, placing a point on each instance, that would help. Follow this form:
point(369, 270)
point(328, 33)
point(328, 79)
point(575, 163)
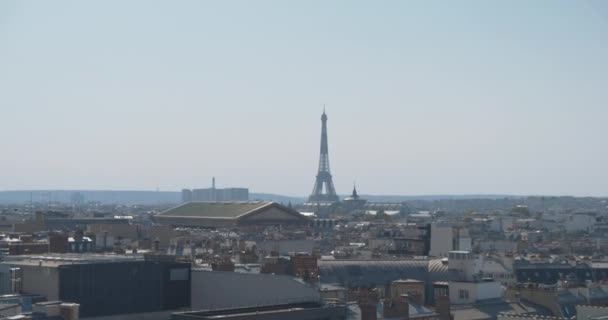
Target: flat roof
point(271, 309)
point(408, 281)
point(56, 260)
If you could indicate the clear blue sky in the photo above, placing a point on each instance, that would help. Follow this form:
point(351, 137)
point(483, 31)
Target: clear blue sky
point(446, 97)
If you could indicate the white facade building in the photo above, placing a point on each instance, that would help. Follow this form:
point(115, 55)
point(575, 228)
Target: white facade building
point(469, 288)
point(442, 237)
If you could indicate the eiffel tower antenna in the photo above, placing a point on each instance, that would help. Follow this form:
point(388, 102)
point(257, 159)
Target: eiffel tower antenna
point(324, 190)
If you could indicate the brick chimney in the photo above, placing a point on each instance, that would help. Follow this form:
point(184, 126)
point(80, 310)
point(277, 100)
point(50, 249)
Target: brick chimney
point(442, 307)
point(397, 307)
point(368, 301)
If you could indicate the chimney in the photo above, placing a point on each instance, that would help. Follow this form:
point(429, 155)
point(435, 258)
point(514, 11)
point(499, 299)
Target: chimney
point(69, 311)
point(443, 308)
point(397, 307)
point(368, 301)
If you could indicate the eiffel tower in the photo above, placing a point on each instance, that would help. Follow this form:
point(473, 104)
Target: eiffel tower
point(324, 190)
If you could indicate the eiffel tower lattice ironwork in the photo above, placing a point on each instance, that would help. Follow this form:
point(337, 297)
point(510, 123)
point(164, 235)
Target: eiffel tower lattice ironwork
point(324, 190)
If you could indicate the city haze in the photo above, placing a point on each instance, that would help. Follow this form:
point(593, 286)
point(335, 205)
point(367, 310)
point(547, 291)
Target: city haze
point(440, 98)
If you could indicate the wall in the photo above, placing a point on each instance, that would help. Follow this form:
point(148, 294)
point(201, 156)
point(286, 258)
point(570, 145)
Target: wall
point(579, 222)
point(41, 280)
point(456, 287)
point(110, 288)
point(381, 244)
point(441, 239)
point(476, 291)
point(489, 290)
point(216, 289)
point(5, 280)
point(542, 297)
point(465, 243)
point(462, 265)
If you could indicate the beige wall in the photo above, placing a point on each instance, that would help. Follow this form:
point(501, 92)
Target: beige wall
point(41, 280)
point(475, 291)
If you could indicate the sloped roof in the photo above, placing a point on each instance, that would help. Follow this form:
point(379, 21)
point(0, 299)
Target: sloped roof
point(438, 266)
point(215, 210)
point(217, 290)
point(487, 310)
point(490, 266)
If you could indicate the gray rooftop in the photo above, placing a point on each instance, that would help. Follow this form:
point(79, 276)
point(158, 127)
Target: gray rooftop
point(366, 273)
point(56, 260)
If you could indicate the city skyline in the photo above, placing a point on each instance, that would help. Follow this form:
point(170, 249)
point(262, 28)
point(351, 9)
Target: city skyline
point(496, 98)
point(303, 160)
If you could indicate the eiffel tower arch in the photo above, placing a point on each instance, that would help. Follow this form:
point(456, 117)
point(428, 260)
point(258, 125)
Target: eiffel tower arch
point(324, 190)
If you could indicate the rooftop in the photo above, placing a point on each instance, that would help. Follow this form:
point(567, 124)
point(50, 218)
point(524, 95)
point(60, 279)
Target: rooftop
point(56, 260)
point(275, 310)
point(217, 210)
point(408, 281)
point(490, 309)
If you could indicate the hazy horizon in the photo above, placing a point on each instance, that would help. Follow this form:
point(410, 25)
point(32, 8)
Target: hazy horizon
point(423, 98)
point(341, 194)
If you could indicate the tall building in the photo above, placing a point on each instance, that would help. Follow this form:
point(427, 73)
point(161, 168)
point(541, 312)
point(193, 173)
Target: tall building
point(324, 190)
point(214, 194)
point(445, 238)
point(186, 195)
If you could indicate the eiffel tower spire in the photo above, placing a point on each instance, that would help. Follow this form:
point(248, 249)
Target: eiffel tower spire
point(324, 190)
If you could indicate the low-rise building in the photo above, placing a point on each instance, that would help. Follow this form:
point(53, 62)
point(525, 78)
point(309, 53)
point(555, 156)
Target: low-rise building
point(102, 284)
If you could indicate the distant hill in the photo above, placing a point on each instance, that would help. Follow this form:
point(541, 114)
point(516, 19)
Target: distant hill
point(103, 196)
point(381, 198)
point(174, 197)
